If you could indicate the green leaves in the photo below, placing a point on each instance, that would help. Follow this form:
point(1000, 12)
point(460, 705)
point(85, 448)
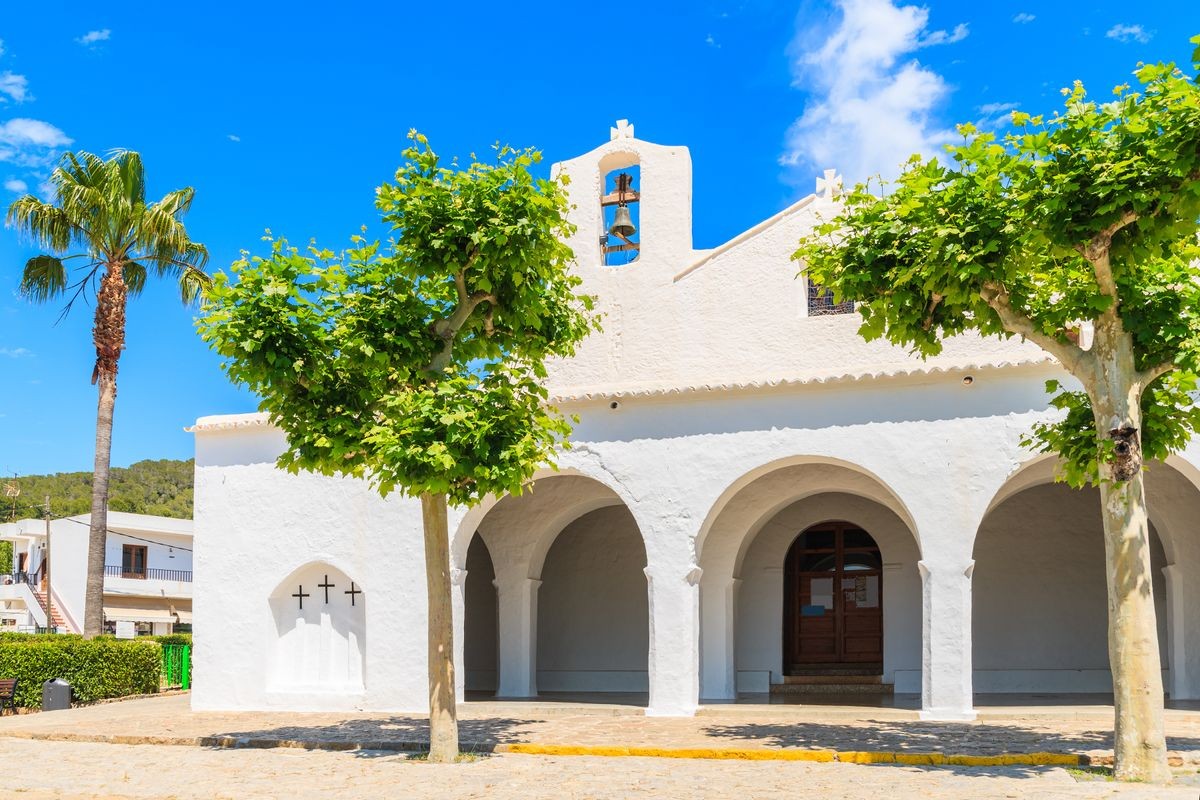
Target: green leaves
point(1088, 216)
point(417, 365)
point(44, 277)
point(100, 208)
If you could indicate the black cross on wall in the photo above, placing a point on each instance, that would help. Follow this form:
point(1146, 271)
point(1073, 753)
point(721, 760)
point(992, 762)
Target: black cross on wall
point(326, 586)
point(353, 592)
point(301, 595)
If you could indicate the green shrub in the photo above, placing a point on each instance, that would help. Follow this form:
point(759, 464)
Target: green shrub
point(174, 638)
point(13, 636)
point(96, 669)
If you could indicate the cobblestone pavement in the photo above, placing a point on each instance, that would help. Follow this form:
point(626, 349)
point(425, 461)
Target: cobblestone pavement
point(732, 726)
point(40, 770)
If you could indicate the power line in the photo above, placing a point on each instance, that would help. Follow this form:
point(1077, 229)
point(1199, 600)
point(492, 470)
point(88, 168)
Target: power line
point(117, 533)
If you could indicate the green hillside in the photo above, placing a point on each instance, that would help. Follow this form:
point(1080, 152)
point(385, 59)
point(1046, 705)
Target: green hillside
point(147, 487)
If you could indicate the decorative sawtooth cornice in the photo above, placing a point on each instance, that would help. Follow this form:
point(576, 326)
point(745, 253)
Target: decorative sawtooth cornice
point(600, 393)
point(229, 422)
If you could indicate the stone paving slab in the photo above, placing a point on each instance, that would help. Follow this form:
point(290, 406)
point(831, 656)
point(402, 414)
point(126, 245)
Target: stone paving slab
point(117, 772)
point(170, 720)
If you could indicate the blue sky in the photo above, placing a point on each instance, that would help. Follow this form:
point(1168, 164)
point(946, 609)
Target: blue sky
point(286, 116)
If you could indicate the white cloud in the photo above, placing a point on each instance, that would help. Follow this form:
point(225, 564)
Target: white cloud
point(30, 142)
point(941, 37)
point(15, 86)
point(233, 137)
point(22, 131)
point(1023, 18)
point(16, 185)
point(91, 37)
point(995, 115)
point(871, 104)
point(1125, 33)
point(15, 352)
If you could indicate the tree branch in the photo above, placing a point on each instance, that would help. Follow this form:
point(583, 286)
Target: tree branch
point(447, 328)
point(1071, 356)
point(1151, 374)
point(1095, 252)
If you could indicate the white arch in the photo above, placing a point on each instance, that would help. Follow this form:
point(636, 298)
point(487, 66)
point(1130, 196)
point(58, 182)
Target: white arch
point(1172, 523)
point(886, 495)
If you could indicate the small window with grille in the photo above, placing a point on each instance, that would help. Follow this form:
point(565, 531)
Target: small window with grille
point(821, 304)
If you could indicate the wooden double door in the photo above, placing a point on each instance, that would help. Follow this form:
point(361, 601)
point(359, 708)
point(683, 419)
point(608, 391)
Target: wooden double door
point(833, 598)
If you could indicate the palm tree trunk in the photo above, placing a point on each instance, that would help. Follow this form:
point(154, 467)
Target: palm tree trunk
point(108, 334)
point(443, 717)
point(93, 599)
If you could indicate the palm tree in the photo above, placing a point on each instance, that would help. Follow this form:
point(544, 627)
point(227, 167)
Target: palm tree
point(101, 210)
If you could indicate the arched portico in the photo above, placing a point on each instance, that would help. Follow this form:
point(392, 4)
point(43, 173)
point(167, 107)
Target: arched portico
point(569, 599)
point(1040, 588)
point(743, 551)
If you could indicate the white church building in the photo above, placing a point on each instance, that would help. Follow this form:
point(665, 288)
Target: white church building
point(755, 499)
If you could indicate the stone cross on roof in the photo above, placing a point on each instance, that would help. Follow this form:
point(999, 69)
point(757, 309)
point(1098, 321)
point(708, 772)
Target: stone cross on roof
point(624, 130)
point(829, 186)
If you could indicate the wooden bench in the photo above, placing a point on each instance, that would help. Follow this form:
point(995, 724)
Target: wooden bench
point(8, 694)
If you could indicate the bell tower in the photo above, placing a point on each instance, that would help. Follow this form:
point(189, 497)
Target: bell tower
point(631, 204)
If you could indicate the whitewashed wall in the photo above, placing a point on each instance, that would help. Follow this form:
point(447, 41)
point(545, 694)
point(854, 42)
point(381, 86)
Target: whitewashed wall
point(708, 385)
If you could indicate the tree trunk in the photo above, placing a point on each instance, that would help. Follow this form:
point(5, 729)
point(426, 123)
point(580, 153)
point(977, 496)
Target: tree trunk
point(1140, 742)
point(443, 718)
point(93, 598)
point(108, 334)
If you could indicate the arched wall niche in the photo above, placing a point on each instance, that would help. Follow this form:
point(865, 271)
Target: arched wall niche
point(319, 615)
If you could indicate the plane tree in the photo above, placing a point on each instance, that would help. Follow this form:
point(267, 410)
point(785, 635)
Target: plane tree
point(417, 364)
point(1077, 232)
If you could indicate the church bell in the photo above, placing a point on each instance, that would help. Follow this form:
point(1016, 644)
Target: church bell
point(622, 223)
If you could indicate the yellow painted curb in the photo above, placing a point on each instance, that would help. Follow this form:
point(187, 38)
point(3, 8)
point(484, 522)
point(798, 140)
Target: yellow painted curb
point(821, 756)
point(724, 753)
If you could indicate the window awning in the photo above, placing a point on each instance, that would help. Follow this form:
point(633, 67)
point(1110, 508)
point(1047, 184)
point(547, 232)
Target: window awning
point(133, 614)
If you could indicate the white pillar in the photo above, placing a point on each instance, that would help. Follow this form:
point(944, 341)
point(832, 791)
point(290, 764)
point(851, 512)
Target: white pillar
point(674, 659)
point(458, 602)
point(718, 615)
point(946, 689)
point(517, 633)
point(1177, 685)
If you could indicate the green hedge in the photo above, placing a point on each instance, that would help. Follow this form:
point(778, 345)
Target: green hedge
point(13, 636)
point(174, 638)
point(96, 669)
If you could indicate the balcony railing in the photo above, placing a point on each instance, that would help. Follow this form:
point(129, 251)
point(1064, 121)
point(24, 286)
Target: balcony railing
point(183, 575)
point(10, 578)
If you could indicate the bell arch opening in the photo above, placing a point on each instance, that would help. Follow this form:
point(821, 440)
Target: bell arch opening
point(620, 214)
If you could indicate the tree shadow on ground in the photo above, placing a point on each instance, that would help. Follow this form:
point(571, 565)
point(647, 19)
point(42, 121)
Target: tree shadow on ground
point(377, 736)
point(974, 738)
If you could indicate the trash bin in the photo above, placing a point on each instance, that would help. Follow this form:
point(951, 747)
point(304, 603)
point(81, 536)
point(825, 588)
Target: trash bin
point(56, 695)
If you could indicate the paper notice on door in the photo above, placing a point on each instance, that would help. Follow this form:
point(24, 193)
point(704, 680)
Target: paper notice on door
point(821, 590)
point(868, 592)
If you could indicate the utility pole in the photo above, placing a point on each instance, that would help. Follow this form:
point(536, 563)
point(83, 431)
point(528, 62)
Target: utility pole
point(46, 570)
